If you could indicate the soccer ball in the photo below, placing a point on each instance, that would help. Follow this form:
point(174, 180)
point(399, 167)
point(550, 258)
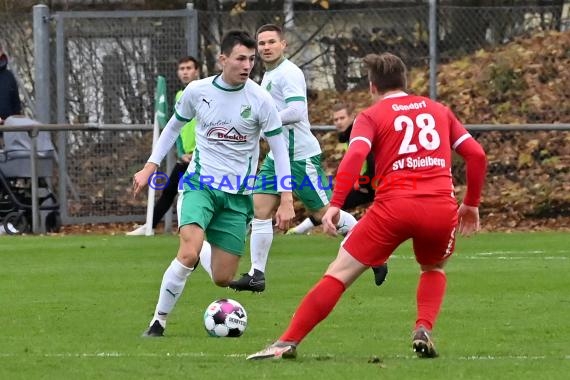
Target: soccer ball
point(225, 317)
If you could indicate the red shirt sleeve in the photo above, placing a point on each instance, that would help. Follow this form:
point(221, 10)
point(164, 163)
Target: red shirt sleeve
point(476, 169)
point(363, 127)
point(457, 132)
point(474, 156)
point(349, 169)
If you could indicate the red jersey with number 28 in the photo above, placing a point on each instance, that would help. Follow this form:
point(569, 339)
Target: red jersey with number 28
point(412, 138)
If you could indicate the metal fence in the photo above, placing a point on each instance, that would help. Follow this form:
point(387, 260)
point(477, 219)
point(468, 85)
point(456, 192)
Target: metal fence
point(528, 176)
point(101, 68)
point(107, 62)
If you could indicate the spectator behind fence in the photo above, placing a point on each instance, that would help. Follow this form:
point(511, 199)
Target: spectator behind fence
point(9, 95)
point(188, 71)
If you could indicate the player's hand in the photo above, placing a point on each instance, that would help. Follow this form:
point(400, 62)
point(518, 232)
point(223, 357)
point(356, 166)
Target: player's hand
point(285, 212)
point(140, 179)
point(330, 219)
point(468, 220)
point(186, 158)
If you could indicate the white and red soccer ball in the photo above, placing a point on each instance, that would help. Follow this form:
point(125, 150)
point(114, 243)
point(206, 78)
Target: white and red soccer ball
point(225, 318)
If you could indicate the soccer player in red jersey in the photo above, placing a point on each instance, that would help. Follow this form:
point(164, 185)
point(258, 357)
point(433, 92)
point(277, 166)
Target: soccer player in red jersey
point(412, 139)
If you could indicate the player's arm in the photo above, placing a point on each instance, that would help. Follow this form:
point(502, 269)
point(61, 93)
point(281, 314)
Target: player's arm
point(285, 212)
point(294, 92)
point(358, 149)
point(271, 127)
point(349, 169)
point(475, 160)
point(294, 112)
point(475, 170)
point(273, 133)
point(165, 141)
point(184, 112)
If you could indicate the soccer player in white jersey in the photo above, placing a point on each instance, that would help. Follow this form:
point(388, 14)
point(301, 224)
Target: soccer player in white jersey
point(286, 83)
point(231, 112)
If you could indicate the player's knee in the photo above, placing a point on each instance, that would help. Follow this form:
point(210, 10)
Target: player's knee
point(191, 240)
point(187, 255)
point(264, 205)
point(263, 213)
point(223, 281)
point(188, 260)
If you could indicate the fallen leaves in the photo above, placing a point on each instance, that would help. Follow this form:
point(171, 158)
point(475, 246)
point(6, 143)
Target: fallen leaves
point(523, 82)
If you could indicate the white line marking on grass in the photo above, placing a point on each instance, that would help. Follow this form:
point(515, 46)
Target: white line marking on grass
point(487, 357)
point(508, 357)
point(537, 252)
point(509, 252)
point(118, 355)
point(459, 256)
point(314, 356)
point(504, 255)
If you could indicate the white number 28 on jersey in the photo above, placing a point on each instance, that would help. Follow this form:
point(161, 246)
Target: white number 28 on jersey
point(428, 136)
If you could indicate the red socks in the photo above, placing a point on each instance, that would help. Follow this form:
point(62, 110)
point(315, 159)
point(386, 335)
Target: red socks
point(315, 307)
point(321, 300)
point(431, 289)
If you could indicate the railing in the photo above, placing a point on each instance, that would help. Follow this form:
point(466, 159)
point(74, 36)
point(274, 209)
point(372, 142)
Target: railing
point(33, 130)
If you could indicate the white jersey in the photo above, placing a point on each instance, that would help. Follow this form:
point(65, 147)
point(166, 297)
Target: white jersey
point(286, 83)
point(228, 128)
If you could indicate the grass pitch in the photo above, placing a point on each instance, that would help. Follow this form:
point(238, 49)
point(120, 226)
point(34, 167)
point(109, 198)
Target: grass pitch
point(74, 307)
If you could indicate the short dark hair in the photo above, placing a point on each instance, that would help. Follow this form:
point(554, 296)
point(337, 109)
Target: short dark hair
point(269, 28)
point(386, 71)
point(236, 37)
point(189, 58)
point(343, 106)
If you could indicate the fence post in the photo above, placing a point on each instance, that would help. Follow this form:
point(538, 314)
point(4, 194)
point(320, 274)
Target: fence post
point(41, 59)
point(289, 13)
point(192, 31)
point(61, 119)
point(433, 38)
point(42, 97)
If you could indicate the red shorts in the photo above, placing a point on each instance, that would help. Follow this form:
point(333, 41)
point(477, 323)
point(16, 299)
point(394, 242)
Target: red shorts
point(429, 221)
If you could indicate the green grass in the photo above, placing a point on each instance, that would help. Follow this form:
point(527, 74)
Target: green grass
point(74, 307)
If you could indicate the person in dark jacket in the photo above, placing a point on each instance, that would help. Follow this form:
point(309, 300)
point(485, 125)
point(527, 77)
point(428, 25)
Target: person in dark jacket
point(9, 95)
point(361, 194)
